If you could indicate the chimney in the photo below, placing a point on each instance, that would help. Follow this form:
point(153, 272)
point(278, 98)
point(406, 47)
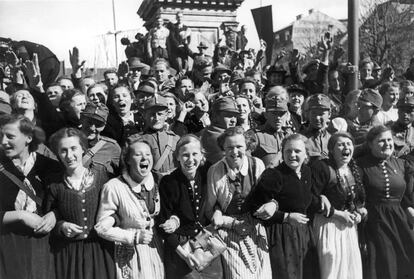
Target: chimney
point(299, 17)
point(310, 11)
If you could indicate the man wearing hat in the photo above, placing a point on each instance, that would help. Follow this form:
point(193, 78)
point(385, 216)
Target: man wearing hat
point(145, 91)
point(102, 150)
point(369, 104)
point(221, 81)
point(161, 140)
point(403, 129)
point(135, 67)
point(270, 135)
point(276, 75)
point(201, 55)
point(224, 114)
point(318, 111)
point(297, 96)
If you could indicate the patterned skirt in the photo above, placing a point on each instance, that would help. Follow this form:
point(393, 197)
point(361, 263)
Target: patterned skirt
point(247, 254)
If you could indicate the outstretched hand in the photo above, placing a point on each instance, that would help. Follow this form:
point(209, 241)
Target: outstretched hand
point(32, 71)
point(74, 60)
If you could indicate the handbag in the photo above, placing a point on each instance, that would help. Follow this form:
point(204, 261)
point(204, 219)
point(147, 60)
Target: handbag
point(205, 246)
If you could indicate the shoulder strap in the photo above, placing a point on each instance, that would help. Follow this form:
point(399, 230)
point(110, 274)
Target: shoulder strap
point(92, 151)
point(164, 154)
point(21, 185)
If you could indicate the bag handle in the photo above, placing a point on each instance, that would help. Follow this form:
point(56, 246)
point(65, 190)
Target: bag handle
point(21, 185)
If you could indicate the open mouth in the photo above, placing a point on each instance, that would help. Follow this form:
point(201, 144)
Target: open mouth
point(346, 153)
point(144, 166)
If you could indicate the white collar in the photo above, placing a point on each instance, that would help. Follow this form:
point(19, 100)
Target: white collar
point(243, 170)
point(147, 182)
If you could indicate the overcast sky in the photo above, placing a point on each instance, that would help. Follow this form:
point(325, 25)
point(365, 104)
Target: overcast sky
point(61, 24)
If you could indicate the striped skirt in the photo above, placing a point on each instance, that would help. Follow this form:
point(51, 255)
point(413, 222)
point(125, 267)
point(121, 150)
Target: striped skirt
point(247, 254)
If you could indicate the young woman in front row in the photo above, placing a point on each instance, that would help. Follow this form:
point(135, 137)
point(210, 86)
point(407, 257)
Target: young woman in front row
point(339, 179)
point(229, 182)
point(291, 242)
point(388, 182)
point(78, 250)
point(129, 204)
point(183, 195)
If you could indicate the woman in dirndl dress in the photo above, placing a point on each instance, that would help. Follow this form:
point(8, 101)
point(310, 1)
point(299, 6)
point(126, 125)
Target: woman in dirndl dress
point(283, 198)
point(229, 182)
point(338, 179)
point(389, 201)
point(129, 204)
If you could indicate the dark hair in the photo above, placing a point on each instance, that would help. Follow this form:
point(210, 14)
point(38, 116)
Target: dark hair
point(110, 71)
point(180, 81)
point(67, 97)
point(375, 132)
point(27, 127)
point(293, 137)
point(54, 84)
point(62, 78)
point(67, 133)
point(334, 138)
point(234, 131)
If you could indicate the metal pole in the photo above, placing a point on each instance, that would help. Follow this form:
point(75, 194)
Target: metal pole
point(353, 40)
point(115, 33)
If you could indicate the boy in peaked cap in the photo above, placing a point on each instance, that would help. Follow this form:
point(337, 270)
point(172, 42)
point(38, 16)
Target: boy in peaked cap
point(269, 136)
point(102, 150)
point(224, 114)
point(318, 114)
point(161, 140)
point(403, 129)
point(369, 105)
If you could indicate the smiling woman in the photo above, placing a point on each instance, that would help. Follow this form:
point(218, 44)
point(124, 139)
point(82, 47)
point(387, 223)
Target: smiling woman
point(79, 252)
point(387, 180)
point(24, 224)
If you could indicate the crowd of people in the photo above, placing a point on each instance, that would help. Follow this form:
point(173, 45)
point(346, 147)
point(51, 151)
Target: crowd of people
point(299, 176)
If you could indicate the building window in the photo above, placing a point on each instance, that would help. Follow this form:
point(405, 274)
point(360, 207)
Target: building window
point(287, 36)
point(277, 38)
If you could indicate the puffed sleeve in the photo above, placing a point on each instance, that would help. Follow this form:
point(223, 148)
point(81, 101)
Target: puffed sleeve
point(109, 205)
point(211, 191)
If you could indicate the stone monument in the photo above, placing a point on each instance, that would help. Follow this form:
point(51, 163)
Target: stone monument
point(208, 19)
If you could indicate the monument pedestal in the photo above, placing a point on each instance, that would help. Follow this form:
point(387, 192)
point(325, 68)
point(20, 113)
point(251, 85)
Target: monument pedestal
point(204, 17)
